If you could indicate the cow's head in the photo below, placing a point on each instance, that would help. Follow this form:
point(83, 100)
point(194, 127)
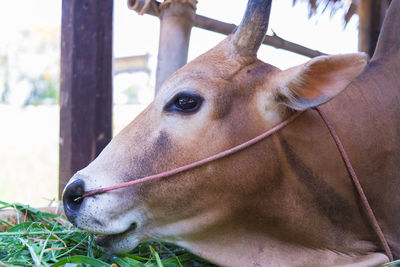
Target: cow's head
point(222, 98)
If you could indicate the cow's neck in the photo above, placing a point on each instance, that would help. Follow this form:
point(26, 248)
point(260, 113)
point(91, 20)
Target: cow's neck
point(366, 117)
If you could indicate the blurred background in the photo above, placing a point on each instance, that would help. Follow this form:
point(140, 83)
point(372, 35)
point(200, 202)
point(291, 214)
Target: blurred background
point(30, 73)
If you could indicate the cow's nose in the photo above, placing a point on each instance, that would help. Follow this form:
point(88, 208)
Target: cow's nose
point(71, 199)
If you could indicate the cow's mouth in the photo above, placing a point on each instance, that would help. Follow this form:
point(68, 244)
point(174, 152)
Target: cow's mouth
point(106, 240)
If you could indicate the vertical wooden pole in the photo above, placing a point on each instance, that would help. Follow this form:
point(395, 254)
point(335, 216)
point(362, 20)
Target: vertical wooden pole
point(371, 13)
point(86, 83)
point(390, 32)
point(176, 21)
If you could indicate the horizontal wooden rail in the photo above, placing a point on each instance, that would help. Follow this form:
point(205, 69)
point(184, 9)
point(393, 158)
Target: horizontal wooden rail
point(13, 216)
point(226, 28)
point(131, 64)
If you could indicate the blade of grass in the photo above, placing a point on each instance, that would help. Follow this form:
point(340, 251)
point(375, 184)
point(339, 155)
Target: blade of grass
point(47, 240)
point(172, 253)
point(80, 259)
point(90, 250)
point(157, 256)
point(390, 264)
point(128, 262)
point(32, 252)
point(74, 247)
point(7, 222)
point(37, 233)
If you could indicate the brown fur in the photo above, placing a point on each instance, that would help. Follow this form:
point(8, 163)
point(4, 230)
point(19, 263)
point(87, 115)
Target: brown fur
point(286, 201)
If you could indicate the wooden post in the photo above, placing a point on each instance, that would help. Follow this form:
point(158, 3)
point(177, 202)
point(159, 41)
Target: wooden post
point(86, 83)
point(176, 21)
point(390, 32)
point(371, 13)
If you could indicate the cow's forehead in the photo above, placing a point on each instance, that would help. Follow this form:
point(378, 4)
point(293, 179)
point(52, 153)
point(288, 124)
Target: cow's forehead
point(211, 72)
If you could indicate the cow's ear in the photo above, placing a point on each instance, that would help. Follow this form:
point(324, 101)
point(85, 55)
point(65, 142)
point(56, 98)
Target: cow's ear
point(318, 80)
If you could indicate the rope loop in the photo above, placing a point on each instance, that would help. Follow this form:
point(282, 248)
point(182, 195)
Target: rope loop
point(165, 4)
point(152, 6)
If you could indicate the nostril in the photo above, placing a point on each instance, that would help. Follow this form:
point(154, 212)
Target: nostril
point(72, 199)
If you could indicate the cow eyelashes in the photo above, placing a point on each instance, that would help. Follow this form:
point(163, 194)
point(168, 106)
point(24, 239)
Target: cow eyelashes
point(184, 102)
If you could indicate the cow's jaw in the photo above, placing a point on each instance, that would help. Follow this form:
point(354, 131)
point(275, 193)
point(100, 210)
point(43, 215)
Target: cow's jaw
point(119, 243)
point(119, 234)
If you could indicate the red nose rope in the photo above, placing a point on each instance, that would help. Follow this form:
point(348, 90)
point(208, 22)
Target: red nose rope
point(251, 142)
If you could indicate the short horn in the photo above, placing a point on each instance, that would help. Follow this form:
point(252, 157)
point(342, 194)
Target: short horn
point(251, 31)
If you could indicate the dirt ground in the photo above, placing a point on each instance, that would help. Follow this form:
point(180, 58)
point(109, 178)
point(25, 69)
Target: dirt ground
point(29, 151)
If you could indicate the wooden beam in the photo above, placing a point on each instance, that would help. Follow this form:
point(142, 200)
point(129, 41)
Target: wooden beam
point(14, 216)
point(86, 83)
point(176, 21)
point(271, 40)
point(227, 28)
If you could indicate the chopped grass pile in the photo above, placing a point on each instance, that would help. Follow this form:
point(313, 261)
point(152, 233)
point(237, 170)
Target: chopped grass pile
point(45, 239)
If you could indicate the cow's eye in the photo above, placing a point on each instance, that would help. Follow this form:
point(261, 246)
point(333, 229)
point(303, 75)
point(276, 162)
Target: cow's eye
point(184, 102)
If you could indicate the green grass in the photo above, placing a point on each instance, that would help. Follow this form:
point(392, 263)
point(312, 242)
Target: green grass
point(46, 239)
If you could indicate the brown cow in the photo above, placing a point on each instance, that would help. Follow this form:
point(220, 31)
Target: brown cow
point(286, 201)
